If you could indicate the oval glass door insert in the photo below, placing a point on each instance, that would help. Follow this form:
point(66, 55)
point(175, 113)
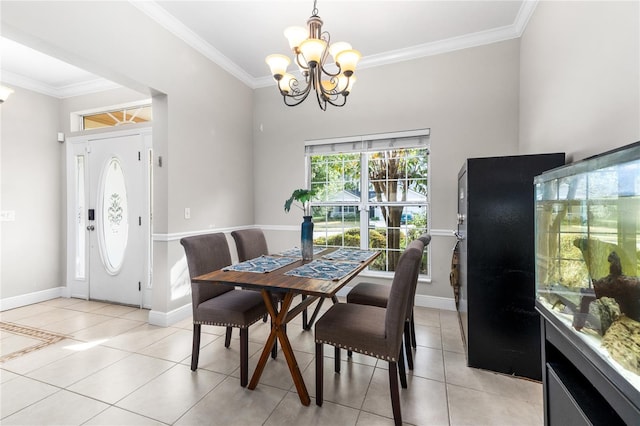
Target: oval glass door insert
point(115, 217)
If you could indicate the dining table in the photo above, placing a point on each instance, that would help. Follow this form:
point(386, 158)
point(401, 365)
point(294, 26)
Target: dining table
point(287, 274)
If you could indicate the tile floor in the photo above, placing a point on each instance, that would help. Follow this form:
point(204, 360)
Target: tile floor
point(115, 369)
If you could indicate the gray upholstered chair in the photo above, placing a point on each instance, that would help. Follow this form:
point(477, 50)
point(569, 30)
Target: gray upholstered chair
point(219, 304)
point(377, 295)
point(251, 243)
point(372, 330)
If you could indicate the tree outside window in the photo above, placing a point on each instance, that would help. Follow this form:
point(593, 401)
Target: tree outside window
point(388, 214)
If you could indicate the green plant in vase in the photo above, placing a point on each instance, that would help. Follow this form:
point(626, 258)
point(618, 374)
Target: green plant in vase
point(303, 197)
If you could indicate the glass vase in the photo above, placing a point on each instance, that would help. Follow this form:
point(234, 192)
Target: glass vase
point(306, 239)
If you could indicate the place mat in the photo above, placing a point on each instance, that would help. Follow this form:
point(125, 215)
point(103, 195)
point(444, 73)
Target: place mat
point(295, 251)
point(324, 270)
point(261, 264)
point(352, 255)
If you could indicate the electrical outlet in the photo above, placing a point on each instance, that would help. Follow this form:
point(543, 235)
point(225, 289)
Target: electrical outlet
point(187, 213)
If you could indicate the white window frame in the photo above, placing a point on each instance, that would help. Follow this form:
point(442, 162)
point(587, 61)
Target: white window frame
point(364, 145)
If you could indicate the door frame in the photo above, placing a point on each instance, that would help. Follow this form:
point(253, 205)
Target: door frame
point(78, 285)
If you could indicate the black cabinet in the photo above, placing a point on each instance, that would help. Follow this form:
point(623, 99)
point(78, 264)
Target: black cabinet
point(500, 326)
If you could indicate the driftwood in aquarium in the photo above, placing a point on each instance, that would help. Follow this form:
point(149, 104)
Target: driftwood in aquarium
point(622, 340)
point(608, 311)
point(625, 290)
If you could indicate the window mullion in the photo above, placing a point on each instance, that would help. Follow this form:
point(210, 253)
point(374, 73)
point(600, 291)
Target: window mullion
point(364, 200)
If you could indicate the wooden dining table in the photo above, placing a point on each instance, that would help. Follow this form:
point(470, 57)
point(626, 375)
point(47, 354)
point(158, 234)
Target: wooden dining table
point(289, 286)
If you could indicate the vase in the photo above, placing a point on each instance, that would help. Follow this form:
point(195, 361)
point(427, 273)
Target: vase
point(306, 239)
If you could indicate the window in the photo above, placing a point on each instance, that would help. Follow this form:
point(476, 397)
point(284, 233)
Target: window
point(371, 192)
point(112, 116)
point(140, 114)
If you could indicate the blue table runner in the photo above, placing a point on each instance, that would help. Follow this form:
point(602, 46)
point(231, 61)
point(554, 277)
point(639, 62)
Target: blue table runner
point(324, 270)
point(261, 264)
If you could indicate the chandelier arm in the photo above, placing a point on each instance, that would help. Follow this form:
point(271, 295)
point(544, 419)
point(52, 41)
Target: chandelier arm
point(344, 101)
point(322, 101)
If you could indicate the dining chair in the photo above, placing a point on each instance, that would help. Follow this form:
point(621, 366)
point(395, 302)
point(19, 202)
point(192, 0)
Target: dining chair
point(366, 293)
point(219, 304)
point(251, 243)
point(372, 330)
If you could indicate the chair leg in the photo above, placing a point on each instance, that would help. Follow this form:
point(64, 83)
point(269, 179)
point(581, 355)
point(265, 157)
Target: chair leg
point(395, 393)
point(227, 337)
point(413, 333)
point(195, 351)
point(407, 344)
point(401, 369)
point(336, 359)
point(319, 373)
point(244, 357)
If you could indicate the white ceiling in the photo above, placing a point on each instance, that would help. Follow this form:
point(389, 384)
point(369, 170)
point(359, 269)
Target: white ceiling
point(239, 34)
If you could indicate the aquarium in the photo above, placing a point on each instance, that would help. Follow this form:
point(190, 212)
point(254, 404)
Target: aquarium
point(587, 224)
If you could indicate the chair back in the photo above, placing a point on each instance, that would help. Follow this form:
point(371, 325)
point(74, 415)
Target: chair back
point(405, 276)
point(418, 244)
point(250, 243)
point(425, 238)
point(206, 253)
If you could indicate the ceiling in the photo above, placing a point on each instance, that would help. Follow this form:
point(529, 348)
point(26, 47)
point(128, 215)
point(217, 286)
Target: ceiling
point(239, 34)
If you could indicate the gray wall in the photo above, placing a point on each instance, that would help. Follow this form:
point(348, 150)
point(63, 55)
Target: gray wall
point(580, 77)
point(31, 183)
point(468, 98)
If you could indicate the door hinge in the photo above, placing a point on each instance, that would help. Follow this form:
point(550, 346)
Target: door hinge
point(139, 220)
point(139, 286)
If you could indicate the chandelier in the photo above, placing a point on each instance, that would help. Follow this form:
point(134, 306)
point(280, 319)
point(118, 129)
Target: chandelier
point(331, 83)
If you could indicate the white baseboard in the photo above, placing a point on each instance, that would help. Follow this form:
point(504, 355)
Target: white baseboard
point(31, 298)
point(436, 302)
point(165, 319)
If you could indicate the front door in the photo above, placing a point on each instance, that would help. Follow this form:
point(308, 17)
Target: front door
point(109, 238)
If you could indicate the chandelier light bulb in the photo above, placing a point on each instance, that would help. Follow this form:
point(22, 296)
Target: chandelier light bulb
point(312, 50)
point(348, 59)
point(338, 47)
point(278, 65)
point(296, 35)
point(345, 84)
point(286, 83)
point(4, 93)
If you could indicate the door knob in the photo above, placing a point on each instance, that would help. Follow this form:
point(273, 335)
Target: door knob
point(90, 228)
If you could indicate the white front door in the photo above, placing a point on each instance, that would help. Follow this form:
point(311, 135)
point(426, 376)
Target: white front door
point(109, 220)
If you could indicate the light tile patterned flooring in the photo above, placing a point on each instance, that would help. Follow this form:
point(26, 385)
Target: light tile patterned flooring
point(116, 369)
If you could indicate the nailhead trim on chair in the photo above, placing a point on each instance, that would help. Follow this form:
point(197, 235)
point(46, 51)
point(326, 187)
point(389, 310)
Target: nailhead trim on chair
point(383, 357)
point(224, 324)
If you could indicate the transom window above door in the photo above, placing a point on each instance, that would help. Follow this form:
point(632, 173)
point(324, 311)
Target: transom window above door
point(112, 116)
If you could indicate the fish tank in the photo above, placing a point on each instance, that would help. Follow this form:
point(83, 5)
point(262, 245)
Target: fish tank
point(587, 228)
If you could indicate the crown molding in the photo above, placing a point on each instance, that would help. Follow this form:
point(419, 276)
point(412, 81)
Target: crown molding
point(170, 23)
point(77, 89)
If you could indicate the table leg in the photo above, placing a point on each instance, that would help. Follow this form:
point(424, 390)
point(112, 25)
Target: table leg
point(278, 330)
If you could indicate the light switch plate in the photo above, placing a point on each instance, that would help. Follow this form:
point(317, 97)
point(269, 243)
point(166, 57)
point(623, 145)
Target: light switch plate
point(8, 216)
